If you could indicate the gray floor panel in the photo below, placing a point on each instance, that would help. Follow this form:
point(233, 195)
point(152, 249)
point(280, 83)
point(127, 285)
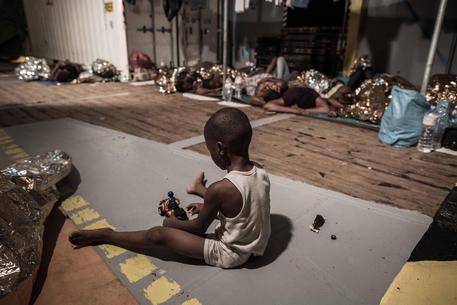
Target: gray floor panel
point(124, 177)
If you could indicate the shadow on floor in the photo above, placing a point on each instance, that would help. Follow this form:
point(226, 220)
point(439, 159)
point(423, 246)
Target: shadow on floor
point(281, 228)
point(52, 227)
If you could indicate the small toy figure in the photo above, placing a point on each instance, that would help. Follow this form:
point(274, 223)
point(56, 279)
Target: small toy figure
point(171, 205)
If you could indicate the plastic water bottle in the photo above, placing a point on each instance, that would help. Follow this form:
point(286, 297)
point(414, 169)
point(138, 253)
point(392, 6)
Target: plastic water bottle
point(426, 140)
point(443, 111)
point(238, 86)
point(228, 90)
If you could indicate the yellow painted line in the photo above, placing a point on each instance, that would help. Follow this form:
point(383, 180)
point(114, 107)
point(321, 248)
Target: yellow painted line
point(73, 203)
point(109, 250)
point(423, 283)
point(193, 301)
point(100, 224)
point(11, 146)
point(20, 156)
point(137, 267)
point(86, 215)
point(112, 251)
point(11, 149)
point(161, 290)
point(14, 151)
point(6, 141)
point(134, 268)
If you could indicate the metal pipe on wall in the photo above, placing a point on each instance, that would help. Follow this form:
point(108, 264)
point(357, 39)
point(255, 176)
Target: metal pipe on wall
point(225, 43)
point(177, 41)
point(433, 45)
point(219, 13)
point(153, 32)
point(172, 48)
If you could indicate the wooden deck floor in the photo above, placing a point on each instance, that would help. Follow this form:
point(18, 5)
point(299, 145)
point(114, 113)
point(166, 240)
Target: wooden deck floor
point(141, 111)
point(351, 160)
point(338, 157)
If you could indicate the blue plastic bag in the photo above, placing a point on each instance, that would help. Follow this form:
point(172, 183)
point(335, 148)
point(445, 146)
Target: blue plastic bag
point(401, 124)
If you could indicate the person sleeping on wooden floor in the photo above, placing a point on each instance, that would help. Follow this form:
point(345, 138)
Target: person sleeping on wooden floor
point(276, 97)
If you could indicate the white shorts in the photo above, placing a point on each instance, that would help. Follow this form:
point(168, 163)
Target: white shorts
point(216, 253)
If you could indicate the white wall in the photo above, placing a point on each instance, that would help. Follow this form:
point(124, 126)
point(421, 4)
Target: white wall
point(78, 30)
point(137, 16)
point(395, 41)
point(164, 48)
point(263, 20)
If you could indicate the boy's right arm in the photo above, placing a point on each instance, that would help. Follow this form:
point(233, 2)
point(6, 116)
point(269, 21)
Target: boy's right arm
point(206, 216)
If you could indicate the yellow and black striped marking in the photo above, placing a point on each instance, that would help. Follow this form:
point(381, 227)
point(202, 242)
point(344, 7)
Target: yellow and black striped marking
point(430, 275)
point(134, 268)
point(284, 14)
point(11, 149)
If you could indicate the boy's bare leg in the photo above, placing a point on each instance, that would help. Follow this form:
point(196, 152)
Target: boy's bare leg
point(178, 241)
point(197, 187)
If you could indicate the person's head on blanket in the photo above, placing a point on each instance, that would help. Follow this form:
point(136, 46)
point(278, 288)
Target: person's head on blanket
point(191, 81)
point(187, 81)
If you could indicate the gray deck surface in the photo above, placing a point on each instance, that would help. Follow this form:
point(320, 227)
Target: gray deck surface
point(124, 177)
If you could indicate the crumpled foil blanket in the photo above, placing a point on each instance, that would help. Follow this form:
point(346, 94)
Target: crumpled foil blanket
point(370, 99)
point(166, 78)
point(104, 69)
point(33, 69)
point(27, 196)
point(442, 87)
point(360, 62)
point(313, 79)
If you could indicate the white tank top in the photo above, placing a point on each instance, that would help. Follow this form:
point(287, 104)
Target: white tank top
point(249, 231)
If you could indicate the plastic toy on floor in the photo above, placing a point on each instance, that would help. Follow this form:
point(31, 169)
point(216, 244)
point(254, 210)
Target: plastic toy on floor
point(171, 205)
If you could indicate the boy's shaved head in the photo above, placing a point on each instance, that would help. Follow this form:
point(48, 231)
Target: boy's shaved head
point(231, 127)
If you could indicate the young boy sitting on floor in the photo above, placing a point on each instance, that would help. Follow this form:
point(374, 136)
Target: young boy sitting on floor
point(241, 201)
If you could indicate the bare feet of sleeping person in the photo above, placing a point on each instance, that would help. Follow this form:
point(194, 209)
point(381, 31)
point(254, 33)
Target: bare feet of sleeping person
point(197, 187)
point(335, 103)
point(333, 112)
point(85, 238)
point(334, 107)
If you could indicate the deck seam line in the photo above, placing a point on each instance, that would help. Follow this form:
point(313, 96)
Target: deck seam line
point(256, 123)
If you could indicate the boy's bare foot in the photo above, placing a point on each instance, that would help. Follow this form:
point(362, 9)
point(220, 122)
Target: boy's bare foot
point(85, 238)
point(197, 187)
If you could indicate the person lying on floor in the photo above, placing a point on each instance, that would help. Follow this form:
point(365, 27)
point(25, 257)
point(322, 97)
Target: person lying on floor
point(188, 81)
point(264, 87)
point(276, 71)
point(297, 100)
point(241, 201)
